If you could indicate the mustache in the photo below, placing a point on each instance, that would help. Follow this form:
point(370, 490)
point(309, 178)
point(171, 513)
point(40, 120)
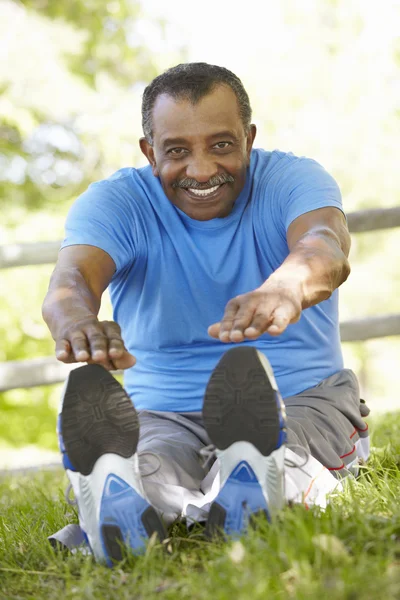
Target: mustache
point(187, 182)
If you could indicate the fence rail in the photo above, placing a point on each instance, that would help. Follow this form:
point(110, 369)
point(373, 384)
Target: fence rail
point(47, 371)
point(371, 220)
point(21, 255)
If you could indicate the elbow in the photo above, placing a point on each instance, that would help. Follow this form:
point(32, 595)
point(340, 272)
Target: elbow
point(338, 275)
point(45, 310)
point(346, 269)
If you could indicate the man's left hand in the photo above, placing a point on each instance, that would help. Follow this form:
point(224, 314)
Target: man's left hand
point(268, 309)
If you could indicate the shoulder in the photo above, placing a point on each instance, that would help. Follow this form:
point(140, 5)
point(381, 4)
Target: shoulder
point(127, 181)
point(125, 190)
point(279, 165)
point(283, 175)
point(287, 186)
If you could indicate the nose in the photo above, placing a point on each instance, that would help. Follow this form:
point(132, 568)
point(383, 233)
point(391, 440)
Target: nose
point(201, 168)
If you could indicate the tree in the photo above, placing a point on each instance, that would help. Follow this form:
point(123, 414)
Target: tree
point(70, 73)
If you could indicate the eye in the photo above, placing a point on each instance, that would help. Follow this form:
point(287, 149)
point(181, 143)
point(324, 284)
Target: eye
point(176, 151)
point(222, 145)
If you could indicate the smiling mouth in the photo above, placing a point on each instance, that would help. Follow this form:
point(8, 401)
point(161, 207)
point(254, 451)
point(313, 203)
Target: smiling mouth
point(204, 194)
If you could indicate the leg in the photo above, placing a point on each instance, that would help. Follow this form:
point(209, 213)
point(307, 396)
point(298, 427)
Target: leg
point(327, 422)
point(170, 462)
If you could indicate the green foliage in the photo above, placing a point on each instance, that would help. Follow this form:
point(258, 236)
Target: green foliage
point(27, 416)
point(108, 45)
point(349, 551)
point(44, 146)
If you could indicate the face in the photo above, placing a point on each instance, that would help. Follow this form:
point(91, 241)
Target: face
point(200, 152)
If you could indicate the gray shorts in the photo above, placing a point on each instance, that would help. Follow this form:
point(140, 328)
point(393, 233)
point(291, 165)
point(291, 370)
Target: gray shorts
point(325, 420)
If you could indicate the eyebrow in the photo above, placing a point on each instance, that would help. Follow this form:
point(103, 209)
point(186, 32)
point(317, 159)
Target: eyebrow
point(179, 140)
point(173, 142)
point(224, 134)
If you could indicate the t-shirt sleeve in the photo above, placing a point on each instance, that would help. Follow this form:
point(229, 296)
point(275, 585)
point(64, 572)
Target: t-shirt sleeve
point(102, 217)
point(307, 186)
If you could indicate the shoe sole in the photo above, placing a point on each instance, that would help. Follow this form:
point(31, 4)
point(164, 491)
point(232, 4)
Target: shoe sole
point(100, 431)
point(244, 418)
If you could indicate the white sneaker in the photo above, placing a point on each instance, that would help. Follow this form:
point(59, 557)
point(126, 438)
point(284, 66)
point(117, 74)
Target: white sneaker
point(245, 418)
point(98, 434)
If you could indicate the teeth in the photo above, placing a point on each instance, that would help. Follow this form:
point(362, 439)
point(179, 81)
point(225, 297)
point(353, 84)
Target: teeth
point(204, 192)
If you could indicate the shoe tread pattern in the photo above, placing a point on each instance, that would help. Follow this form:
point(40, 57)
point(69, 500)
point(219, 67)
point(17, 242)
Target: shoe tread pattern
point(98, 417)
point(113, 542)
point(240, 403)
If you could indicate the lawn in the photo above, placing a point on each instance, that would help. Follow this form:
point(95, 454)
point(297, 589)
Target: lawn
point(351, 551)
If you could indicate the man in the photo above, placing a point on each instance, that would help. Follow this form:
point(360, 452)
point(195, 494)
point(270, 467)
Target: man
point(221, 259)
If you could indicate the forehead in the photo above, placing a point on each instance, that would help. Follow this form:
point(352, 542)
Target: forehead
point(217, 111)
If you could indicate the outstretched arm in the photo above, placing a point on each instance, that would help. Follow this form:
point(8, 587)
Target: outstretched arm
point(71, 305)
point(319, 244)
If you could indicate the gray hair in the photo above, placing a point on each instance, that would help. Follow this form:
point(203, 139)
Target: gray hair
point(192, 81)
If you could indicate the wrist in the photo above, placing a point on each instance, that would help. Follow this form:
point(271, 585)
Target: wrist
point(63, 318)
point(309, 286)
point(288, 282)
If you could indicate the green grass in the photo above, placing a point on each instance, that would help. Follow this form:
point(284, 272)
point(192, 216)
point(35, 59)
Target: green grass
point(350, 551)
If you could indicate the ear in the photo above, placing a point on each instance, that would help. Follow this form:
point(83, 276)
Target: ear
point(148, 151)
point(249, 141)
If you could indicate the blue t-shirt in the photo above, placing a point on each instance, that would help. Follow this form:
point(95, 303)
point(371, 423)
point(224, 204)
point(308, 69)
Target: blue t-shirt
point(174, 276)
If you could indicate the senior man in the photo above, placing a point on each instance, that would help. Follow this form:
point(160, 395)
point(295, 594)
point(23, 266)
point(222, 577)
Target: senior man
point(223, 264)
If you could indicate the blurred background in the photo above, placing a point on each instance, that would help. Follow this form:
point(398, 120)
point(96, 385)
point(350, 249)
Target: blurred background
point(324, 81)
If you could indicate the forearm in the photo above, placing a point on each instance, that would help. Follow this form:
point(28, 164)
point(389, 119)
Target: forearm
point(69, 298)
point(315, 267)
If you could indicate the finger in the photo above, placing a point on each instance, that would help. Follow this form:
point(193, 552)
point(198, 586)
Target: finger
point(107, 364)
point(273, 317)
point(63, 351)
point(98, 342)
point(117, 351)
point(227, 320)
point(258, 325)
point(214, 330)
point(126, 361)
point(116, 346)
point(280, 319)
point(262, 317)
point(80, 347)
point(242, 320)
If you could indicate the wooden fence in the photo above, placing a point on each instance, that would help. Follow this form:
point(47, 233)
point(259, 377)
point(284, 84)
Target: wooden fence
point(46, 371)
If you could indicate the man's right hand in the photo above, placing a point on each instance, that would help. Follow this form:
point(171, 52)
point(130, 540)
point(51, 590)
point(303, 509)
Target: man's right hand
point(70, 309)
point(94, 342)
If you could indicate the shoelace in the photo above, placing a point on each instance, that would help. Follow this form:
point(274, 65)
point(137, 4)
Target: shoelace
point(68, 499)
point(209, 452)
point(74, 502)
point(292, 464)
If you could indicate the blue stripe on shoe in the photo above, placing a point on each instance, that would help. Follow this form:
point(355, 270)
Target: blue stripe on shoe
point(122, 509)
point(282, 438)
point(240, 497)
point(282, 421)
point(67, 464)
